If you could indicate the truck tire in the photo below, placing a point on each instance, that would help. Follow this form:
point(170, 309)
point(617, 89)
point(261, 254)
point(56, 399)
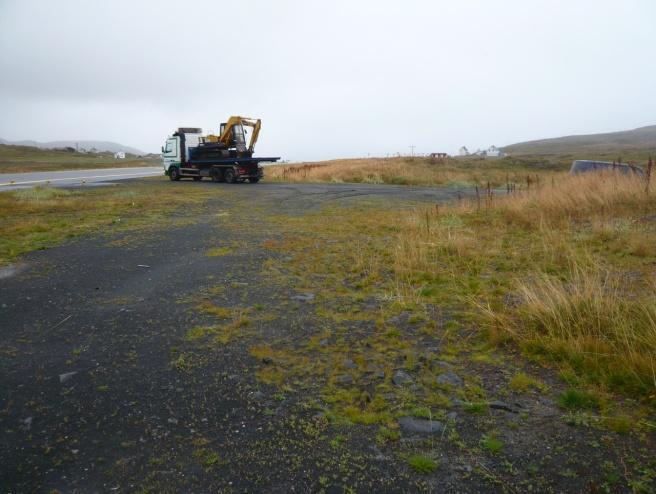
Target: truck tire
point(254, 180)
point(198, 179)
point(174, 173)
point(216, 175)
point(229, 175)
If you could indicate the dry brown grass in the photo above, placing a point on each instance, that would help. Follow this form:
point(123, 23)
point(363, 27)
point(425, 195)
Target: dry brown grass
point(412, 171)
point(576, 255)
point(579, 198)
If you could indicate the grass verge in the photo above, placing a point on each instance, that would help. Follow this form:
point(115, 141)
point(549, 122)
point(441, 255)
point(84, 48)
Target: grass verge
point(37, 218)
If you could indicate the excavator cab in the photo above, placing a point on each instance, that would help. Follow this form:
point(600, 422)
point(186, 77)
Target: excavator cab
point(237, 137)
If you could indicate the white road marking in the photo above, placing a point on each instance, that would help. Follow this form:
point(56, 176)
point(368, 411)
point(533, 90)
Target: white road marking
point(82, 178)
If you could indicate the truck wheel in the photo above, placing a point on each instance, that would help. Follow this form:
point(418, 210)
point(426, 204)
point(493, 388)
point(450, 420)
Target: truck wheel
point(229, 175)
point(174, 173)
point(215, 175)
point(254, 180)
point(197, 179)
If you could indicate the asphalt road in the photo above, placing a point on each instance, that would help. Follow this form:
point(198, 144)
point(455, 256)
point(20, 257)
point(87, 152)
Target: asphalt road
point(71, 178)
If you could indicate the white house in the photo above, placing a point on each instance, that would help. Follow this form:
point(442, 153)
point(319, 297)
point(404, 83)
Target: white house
point(463, 151)
point(119, 155)
point(494, 152)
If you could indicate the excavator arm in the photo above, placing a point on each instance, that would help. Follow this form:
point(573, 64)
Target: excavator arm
point(235, 121)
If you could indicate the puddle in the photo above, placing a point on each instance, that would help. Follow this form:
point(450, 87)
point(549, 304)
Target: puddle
point(11, 270)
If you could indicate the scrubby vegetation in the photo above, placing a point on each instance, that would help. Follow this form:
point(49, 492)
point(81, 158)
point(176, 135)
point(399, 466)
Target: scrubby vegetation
point(420, 171)
point(562, 268)
point(566, 270)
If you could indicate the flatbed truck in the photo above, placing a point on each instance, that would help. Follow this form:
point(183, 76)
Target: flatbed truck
point(221, 158)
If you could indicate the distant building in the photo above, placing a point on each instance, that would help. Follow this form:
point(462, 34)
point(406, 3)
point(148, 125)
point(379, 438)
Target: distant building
point(494, 152)
point(438, 155)
point(463, 151)
point(120, 155)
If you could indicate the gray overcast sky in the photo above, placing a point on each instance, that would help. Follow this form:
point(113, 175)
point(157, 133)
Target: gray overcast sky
point(329, 78)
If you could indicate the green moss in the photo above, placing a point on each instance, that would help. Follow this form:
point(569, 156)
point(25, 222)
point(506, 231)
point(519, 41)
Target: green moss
point(422, 464)
point(574, 399)
point(522, 382)
point(491, 443)
point(218, 251)
point(386, 434)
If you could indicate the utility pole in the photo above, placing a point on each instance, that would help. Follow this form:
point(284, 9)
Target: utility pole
point(412, 150)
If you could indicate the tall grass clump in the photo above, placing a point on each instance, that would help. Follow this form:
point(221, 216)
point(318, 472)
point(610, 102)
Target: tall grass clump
point(592, 323)
point(577, 198)
point(565, 269)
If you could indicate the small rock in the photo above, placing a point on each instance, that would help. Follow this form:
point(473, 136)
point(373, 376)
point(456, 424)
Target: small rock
point(416, 388)
point(66, 376)
point(452, 416)
point(27, 423)
point(401, 377)
point(400, 319)
point(444, 364)
point(349, 364)
point(304, 297)
point(500, 405)
point(172, 420)
point(413, 425)
point(257, 395)
point(323, 342)
point(378, 454)
point(344, 379)
point(546, 407)
point(512, 300)
point(449, 378)
point(267, 360)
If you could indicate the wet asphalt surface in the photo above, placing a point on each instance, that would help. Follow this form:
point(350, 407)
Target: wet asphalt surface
point(89, 399)
point(72, 178)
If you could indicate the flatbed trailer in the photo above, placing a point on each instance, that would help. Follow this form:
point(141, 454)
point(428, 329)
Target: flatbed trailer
point(229, 170)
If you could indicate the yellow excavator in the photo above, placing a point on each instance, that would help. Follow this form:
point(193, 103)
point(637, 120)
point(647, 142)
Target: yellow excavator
point(233, 136)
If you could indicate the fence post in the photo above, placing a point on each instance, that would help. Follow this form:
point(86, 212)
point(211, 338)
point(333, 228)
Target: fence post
point(650, 165)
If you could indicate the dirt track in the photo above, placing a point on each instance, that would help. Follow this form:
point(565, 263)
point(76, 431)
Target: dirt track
point(96, 398)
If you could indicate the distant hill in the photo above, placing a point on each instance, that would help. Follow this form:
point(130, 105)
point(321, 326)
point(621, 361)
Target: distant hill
point(17, 159)
point(99, 146)
point(641, 140)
